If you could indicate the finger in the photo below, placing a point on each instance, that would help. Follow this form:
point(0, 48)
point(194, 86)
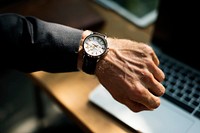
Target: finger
point(155, 87)
point(134, 106)
point(153, 55)
point(156, 71)
point(155, 58)
point(145, 97)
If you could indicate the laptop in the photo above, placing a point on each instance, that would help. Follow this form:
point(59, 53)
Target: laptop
point(142, 13)
point(176, 45)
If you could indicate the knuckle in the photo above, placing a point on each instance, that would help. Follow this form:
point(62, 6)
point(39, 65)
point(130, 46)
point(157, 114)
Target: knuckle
point(146, 76)
point(149, 63)
point(138, 91)
point(148, 48)
point(143, 72)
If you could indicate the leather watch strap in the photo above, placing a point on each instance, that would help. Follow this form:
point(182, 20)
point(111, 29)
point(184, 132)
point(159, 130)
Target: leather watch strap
point(89, 64)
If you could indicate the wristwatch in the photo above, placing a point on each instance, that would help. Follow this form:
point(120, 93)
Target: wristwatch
point(94, 47)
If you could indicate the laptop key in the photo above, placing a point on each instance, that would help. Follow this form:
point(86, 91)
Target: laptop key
point(179, 103)
point(197, 114)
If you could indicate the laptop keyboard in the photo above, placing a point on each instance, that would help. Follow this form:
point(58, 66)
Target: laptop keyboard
point(182, 84)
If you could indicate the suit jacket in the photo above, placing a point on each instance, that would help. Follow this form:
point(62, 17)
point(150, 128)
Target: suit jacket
point(29, 44)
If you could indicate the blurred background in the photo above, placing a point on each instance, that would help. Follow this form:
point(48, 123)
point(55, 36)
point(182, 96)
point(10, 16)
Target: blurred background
point(24, 108)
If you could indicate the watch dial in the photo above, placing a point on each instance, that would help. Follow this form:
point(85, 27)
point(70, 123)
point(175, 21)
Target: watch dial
point(95, 45)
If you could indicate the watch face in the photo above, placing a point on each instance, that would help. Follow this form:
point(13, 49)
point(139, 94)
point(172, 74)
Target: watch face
point(95, 45)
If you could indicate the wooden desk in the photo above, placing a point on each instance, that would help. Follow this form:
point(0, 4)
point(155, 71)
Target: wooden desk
point(71, 90)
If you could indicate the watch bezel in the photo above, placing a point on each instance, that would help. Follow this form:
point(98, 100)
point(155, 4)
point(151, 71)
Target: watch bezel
point(103, 38)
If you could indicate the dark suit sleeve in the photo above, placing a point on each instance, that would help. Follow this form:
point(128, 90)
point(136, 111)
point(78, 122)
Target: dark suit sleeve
point(29, 44)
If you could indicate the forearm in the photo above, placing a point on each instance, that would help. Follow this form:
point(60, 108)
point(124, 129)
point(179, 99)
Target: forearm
point(29, 44)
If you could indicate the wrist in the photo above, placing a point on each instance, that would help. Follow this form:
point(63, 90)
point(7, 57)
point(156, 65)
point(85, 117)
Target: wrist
point(93, 46)
point(103, 63)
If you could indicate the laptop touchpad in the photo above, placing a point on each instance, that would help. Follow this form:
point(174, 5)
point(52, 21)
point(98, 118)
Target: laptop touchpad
point(161, 120)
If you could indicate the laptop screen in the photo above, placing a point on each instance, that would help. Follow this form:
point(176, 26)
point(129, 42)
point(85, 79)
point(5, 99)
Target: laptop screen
point(177, 31)
point(138, 7)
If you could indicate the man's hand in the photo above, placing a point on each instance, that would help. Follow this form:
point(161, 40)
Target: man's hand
point(130, 72)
